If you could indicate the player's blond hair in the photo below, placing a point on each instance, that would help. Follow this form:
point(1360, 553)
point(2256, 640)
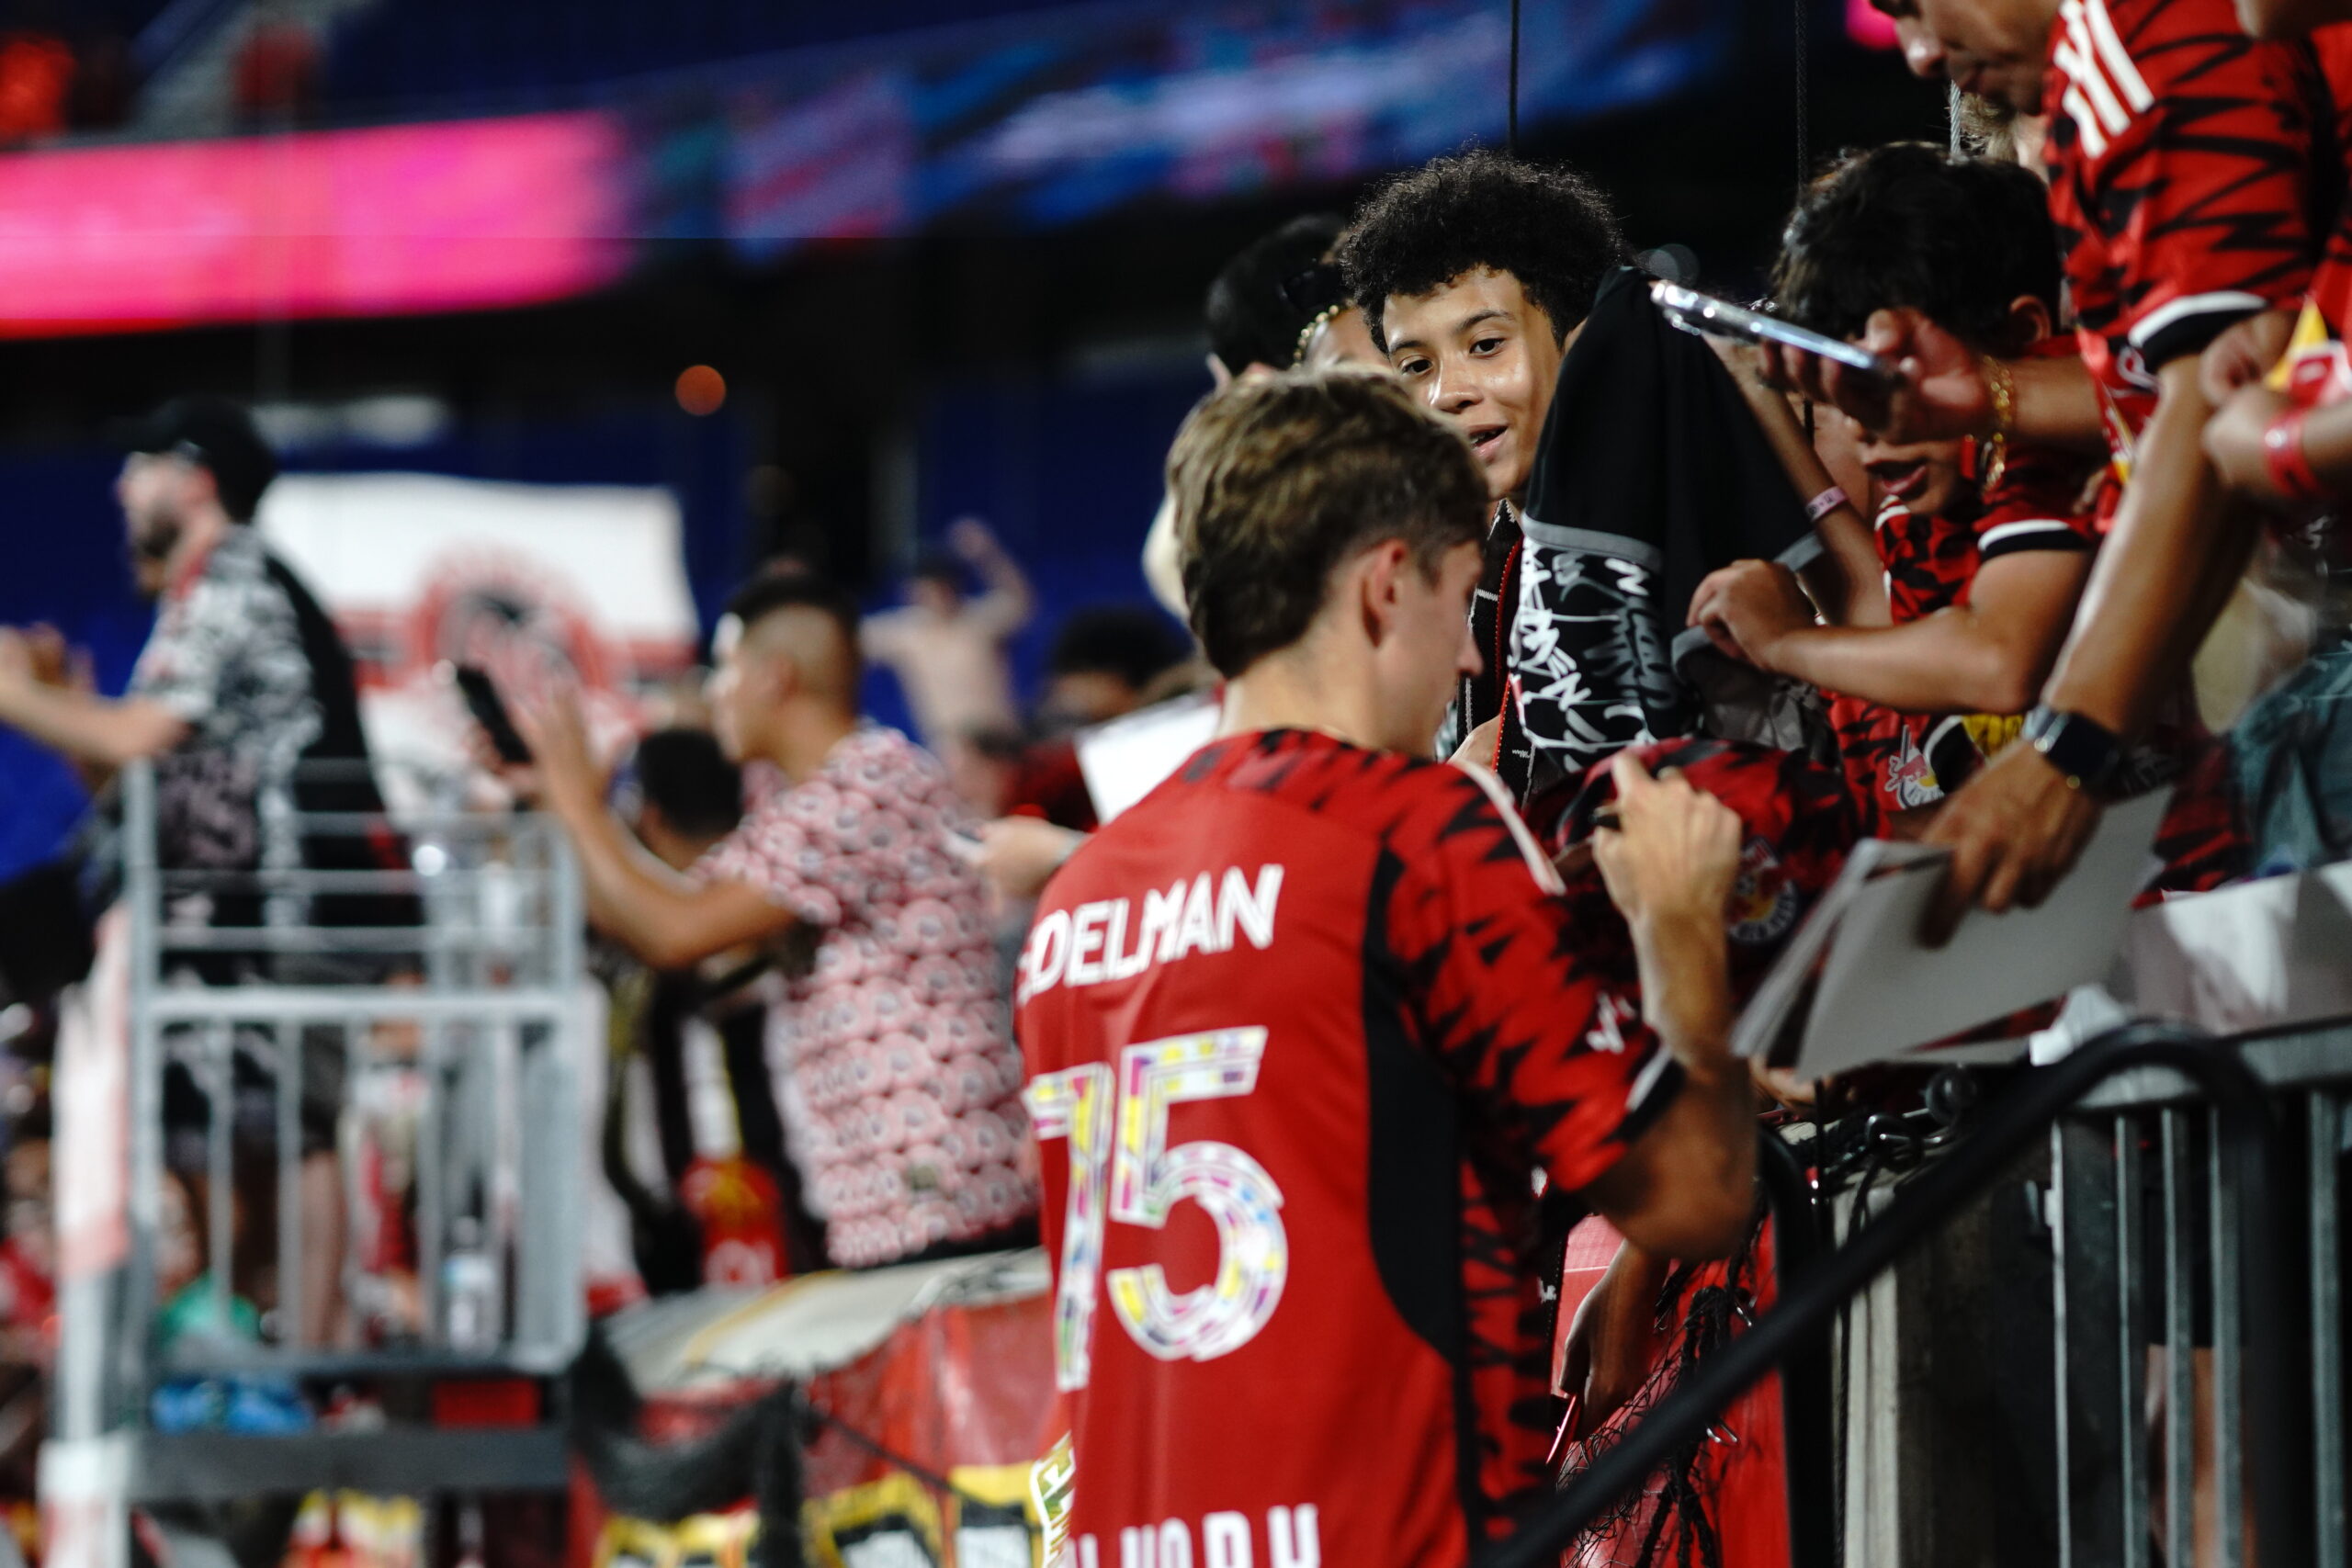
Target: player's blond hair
point(1279, 480)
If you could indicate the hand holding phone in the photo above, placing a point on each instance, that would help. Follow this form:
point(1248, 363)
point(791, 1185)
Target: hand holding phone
point(1941, 391)
point(1710, 317)
point(488, 710)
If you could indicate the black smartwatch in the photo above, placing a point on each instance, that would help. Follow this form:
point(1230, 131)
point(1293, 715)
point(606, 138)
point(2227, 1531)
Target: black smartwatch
point(2086, 753)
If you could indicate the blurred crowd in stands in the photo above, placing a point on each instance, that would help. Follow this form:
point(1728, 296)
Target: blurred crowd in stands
point(70, 66)
point(65, 66)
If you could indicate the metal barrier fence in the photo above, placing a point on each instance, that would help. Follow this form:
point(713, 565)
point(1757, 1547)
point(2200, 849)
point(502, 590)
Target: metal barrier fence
point(2272, 1426)
point(2151, 1260)
point(332, 1053)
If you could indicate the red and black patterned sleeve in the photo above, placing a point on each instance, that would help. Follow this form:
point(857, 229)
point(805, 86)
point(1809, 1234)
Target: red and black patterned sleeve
point(2189, 169)
point(1525, 1008)
point(2041, 504)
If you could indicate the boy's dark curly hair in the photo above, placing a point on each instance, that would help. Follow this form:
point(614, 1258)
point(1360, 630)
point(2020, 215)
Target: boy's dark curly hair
point(1545, 225)
point(1909, 223)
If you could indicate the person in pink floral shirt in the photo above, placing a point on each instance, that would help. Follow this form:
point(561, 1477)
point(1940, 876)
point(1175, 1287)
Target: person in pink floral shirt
point(901, 1075)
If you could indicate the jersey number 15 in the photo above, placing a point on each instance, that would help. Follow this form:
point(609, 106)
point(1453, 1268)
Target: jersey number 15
point(1120, 1130)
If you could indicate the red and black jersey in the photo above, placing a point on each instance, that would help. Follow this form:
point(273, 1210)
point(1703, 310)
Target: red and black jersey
point(1797, 821)
point(2191, 171)
point(1899, 762)
point(1302, 1026)
point(1931, 561)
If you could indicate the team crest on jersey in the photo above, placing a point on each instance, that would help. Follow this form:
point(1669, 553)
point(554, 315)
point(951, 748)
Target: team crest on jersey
point(1909, 778)
point(1763, 900)
point(2132, 367)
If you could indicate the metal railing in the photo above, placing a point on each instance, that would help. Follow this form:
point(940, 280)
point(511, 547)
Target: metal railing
point(291, 1029)
point(2266, 1400)
point(2147, 1263)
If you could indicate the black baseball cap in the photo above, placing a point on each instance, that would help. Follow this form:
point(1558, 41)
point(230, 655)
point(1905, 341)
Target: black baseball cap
point(216, 433)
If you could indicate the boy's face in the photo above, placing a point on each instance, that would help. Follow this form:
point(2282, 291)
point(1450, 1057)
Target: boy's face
point(1923, 475)
point(1485, 356)
point(153, 492)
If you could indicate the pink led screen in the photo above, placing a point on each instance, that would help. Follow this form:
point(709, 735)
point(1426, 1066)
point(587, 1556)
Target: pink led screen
point(449, 217)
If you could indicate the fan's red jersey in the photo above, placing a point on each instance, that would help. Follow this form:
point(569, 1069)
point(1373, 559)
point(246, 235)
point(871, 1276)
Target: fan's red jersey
point(1302, 1026)
point(1900, 762)
point(2192, 173)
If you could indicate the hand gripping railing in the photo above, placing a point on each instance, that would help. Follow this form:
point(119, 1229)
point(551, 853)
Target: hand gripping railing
point(2275, 1413)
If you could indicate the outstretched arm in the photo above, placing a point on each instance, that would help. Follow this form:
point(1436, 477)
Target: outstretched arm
point(1943, 393)
point(1009, 601)
point(667, 920)
point(2149, 602)
point(93, 731)
point(1989, 655)
point(2236, 440)
point(2178, 544)
point(1844, 578)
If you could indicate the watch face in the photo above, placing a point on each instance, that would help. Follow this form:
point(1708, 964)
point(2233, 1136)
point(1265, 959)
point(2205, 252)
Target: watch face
point(2081, 750)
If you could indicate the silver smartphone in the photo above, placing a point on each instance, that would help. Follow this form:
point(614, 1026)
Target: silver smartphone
point(1711, 317)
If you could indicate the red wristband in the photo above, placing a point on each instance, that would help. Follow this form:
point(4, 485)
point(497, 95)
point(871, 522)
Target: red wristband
point(2283, 455)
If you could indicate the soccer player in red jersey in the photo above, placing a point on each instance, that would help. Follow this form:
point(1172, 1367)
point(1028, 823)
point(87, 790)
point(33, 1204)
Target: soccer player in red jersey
point(2187, 164)
point(1306, 1024)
